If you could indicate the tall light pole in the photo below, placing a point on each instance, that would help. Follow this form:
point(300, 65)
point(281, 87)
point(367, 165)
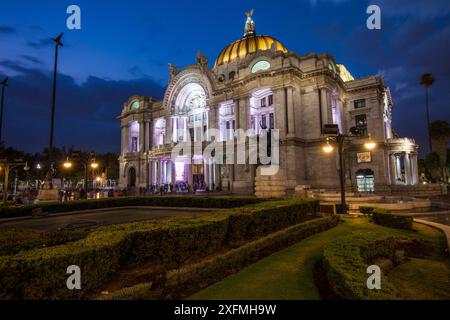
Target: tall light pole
point(4, 85)
point(339, 139)
point(49, 177)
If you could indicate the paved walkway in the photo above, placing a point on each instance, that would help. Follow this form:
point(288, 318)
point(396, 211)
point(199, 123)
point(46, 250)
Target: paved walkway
point(445, 229)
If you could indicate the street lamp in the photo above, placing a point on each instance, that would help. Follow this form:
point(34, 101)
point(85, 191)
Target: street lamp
point(4, 85)
point(340, 139)
point(67, 164)
point(87, 162)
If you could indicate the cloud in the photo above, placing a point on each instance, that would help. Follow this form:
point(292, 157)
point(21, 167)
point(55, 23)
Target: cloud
point(4, 29)
point(86, 114)
point(46, 42)
point(422, 9)
point(31, 59)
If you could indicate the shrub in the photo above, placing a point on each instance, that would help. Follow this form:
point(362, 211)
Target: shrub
point(170, 201)
point(366, 210)
point(345, 264)
point(383, 218)
point(13, 241)
point(41, 273)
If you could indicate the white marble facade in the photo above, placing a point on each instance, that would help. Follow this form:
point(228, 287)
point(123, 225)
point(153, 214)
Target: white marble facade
point(256, 82)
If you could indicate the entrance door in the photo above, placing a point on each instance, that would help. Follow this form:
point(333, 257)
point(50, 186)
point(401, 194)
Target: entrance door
point(132, 178)
point(198, 177)
point(365, 180)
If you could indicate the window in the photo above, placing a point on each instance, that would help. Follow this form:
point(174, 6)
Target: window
point(263, 102)
point(135, 105)
point(360, 103)
point(260, 66)
point(271, 100)
point(271, 121)
point(263, 122)
point(231, 75)
point(361, 124)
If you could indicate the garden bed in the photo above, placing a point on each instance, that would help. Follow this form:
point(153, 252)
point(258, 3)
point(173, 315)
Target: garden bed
point(41, 273)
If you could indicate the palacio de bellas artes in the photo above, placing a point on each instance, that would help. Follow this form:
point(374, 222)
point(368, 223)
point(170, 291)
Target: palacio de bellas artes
point(257, 86)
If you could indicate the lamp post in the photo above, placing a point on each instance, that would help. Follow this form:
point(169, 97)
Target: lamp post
point(58, 43)
point(340, 139)
point(87, 163)
point(4, 85)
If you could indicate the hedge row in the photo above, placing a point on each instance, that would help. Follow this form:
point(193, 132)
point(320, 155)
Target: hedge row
point(384, 218)
point(41, 273)
point(345, 264)
point(13, 241)
point(180, 283)
point(170, 201)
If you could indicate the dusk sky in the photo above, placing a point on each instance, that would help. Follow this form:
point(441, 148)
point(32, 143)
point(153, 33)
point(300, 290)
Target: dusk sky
point(124, 48)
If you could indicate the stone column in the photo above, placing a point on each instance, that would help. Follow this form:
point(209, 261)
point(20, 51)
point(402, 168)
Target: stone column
point(141, 136)
point(169, 132)
point(392, 169)
point(280, 112)
point(150, 173)
point(290, 112)
point(124, 140)
point(407, 168)
point(243, 113)
point(327, 116)
point(150, 135)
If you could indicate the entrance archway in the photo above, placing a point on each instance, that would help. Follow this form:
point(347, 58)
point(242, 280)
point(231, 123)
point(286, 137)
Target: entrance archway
point(132, 178)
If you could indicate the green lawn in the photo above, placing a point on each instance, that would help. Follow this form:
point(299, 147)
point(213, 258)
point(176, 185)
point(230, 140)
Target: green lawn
point(288, 274)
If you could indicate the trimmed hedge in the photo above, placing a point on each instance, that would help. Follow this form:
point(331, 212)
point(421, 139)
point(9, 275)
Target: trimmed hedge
point(345, 264)
point(41, 273)
point(383, 218)
point(13, 241)
point(169, 201)
point(188, 279)
point(180, 283)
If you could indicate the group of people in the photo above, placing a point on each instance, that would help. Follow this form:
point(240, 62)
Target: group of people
point(169, 188)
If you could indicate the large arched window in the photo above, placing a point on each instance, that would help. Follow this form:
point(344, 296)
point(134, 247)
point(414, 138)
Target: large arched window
point(191, 113)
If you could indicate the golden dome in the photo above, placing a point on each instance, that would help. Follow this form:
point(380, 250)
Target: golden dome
point(248, 45)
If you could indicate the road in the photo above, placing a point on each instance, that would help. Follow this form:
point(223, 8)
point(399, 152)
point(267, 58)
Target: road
point(97, 218)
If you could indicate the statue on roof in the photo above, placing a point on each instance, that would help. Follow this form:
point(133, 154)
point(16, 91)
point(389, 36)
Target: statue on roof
point(173, 70)
point(201, 59)
point(250, 27)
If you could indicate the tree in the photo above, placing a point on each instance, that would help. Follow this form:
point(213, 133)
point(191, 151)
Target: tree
point(432, 165)
point(440, 135)
point(427, 80)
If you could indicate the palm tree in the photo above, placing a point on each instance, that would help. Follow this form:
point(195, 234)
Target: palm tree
point(440, 135)
point(427, 81)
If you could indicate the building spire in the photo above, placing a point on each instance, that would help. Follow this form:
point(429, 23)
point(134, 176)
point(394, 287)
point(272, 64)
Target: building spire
point(250, 28)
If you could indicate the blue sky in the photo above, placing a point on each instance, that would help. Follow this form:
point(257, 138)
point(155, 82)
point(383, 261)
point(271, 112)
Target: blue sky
point(124, 47)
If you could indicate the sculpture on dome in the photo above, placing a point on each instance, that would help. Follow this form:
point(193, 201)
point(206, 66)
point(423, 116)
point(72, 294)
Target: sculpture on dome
point(250, 27)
